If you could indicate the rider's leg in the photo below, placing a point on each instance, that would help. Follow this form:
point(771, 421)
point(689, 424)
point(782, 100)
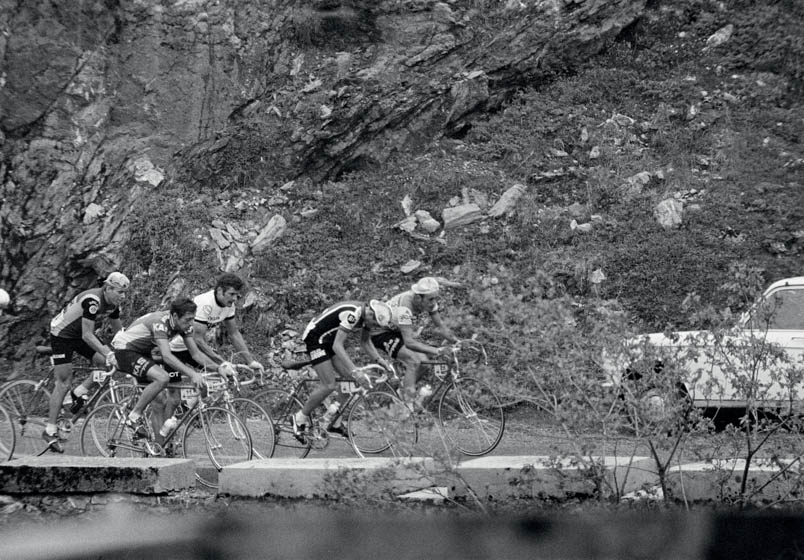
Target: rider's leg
point(326, 376)
point(98, 361)
point(412, 362)
point(159, 380)
point(63, 374)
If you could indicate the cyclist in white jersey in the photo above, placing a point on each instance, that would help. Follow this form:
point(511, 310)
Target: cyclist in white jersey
point(400, 340)
point(214, 308)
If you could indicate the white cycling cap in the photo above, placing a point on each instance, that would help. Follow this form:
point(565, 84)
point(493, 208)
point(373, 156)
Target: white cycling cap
point(426, 286)
point(117, 280)
point(4, 299)
point(382, 313)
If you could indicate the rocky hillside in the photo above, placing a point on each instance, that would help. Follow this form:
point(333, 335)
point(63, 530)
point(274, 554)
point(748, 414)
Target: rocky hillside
point(601, 149)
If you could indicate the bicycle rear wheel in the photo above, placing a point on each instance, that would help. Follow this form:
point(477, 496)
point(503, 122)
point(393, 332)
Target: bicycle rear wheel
point(28, 408)
point(380, 421)
point(471, 416)
point(281, 406)
point(215, 437)
point(8, 438)
point(260, 426)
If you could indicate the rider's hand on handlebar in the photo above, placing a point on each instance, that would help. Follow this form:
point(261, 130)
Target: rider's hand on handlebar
point(227, 369)
point(200, 385)
point(111, 361)
point(255, 365)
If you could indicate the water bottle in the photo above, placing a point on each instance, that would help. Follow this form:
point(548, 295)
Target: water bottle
point(425, 391)
point(168, 426)
point(332, 410)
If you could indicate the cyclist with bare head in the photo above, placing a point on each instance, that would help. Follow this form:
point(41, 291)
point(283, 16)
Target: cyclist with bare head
point(73, 331)
point(135, 348)
point(324, 337)
point(216, 307)
point(400, 339)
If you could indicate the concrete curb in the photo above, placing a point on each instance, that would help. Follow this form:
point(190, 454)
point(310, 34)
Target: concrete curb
point(306, 478)
point(75, 474)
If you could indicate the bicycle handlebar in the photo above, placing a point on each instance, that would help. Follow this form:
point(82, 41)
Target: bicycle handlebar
point(374, 373)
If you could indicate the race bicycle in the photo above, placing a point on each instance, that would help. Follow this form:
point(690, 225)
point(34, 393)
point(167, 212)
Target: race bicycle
point(376, 421)
point(27, 402)
point(466, 409)
point(211, 435)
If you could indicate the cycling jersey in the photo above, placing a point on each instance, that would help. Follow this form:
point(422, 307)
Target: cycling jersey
point(208, 313)
point(89, 304)
point(142, 334)
point(402, 313)
point(346, 315)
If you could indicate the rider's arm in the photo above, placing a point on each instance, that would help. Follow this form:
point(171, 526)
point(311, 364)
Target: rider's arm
point(199, 337)
point(411, 342)
point(340, 351)
point(117, 325)
point(88, 336)
point(237, 338)
point(441, 328)
point(171, 360)
point(369, 348)
point(200, 357)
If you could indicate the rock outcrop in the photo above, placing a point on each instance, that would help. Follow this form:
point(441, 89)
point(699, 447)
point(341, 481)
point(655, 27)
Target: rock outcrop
point(101, 102)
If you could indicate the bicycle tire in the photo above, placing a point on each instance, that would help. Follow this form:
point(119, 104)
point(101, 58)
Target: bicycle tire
point(259, 424)
point(28, 408)
point(281, 406)
point(471, 416)
point(97, 431)
point(8, 437)
point(214, 438)
point(379, 421)
point(122, 393)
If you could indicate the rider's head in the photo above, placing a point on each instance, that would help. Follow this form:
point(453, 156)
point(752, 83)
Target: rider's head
point(377, 314)
point(115, 287)
point(182, 311)
point(426, 291)
point(4, 300)
point(228, 288)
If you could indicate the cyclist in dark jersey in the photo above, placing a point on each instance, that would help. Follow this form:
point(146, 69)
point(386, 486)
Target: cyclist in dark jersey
point(73, 330)
point(325, 336)
point(134, 349)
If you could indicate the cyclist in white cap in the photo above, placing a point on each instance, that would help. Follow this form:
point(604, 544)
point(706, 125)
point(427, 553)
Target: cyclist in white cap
point(400, 339)
point(325, 336)
point(73, 330)
point(4, 300)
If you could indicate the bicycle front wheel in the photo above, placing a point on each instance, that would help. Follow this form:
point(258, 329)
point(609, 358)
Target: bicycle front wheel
point(471, 416)
point(214, 438)
point(260, 426)
point(378, 422)
point(281, 406)
point(28, 408)
point(98, 429)
point(8, 438)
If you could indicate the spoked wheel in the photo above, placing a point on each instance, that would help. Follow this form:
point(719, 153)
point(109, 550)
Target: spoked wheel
point(8, 436)
point(281, 407)
point(98, 430)
point(28, 409)
point(380, 421)
point(215, 437)
point(472, 416)
point(258, 421)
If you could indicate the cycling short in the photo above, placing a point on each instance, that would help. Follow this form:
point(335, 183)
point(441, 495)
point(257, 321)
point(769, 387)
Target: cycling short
point(138, 365)
point(319, 353)
point(185, 357)
point(389, 341)
point(64, 348)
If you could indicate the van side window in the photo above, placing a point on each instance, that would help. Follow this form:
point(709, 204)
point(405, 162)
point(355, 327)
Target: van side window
point(783, 310)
